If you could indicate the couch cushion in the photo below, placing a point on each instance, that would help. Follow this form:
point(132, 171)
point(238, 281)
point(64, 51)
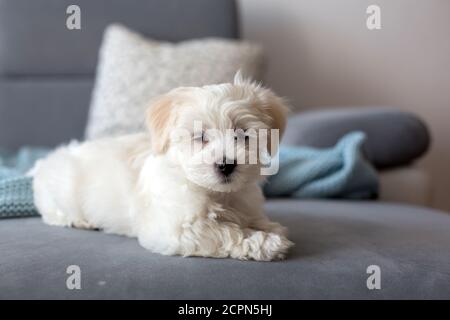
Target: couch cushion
point(394, 138)
point(34, 39)
point(335, 243)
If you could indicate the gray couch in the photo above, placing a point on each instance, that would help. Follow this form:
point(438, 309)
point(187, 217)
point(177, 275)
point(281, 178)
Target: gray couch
point(46, 75)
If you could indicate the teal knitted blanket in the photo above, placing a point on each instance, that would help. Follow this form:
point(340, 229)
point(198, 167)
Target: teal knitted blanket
point(338, 172)
point(16, 195)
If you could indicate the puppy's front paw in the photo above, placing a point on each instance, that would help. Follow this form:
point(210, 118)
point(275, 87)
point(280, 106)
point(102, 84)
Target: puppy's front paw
point(275, 247)
point(263, 246)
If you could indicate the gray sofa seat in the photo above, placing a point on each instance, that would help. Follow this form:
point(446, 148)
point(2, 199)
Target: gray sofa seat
point(335, 243)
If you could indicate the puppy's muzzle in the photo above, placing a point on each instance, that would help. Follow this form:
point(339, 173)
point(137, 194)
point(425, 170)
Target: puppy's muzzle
point(226, 167)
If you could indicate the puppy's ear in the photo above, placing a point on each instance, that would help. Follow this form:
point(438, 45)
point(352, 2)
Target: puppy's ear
point(274, 106)
point(159, 120)
point(276, 109)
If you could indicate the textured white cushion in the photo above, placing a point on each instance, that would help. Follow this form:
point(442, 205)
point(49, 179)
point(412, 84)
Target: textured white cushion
point(133, 69)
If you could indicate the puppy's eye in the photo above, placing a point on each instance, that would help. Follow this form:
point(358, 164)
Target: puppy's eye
point(200, 137)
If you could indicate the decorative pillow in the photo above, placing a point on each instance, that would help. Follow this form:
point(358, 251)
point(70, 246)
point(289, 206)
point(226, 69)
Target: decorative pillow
point(394, 137)
point(133, 69)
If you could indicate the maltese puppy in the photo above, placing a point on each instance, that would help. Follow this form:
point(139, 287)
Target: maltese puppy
point(191, 187)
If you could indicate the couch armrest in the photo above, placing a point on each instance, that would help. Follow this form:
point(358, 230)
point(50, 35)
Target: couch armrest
point(394, 137)
point(410, 185)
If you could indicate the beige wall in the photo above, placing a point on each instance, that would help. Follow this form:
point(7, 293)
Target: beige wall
point(321, 53)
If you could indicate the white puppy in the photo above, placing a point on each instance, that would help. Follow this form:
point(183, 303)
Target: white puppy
point(159, 188)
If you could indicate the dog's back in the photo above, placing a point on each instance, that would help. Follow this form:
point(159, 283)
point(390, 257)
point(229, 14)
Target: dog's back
point(71, 179)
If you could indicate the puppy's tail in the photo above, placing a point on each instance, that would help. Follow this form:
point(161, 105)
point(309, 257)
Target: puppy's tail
point(32, 172)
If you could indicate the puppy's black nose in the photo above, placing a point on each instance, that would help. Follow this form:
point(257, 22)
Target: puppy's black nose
point(226, 168)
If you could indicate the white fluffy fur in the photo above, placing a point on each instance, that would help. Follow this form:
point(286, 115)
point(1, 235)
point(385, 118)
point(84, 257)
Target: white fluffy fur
point(128, 186)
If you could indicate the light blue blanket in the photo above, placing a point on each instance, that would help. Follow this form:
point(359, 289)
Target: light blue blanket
point(338, 172)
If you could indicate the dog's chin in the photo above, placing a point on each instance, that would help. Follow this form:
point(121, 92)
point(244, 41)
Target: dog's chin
point(219, 186)
point(217, 183)
point(225, 187)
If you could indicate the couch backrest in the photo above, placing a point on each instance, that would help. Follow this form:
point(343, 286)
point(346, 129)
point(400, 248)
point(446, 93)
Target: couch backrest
point(47, 70)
